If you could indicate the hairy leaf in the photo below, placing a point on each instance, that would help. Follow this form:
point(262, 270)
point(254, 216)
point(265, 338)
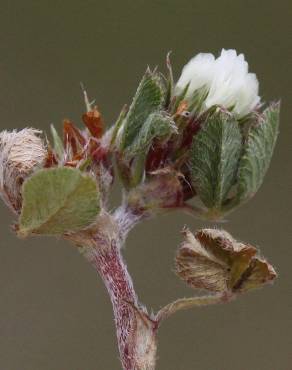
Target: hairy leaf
point(258, 151)
point(212, 260)
point(58, 200)
point(259, 272)
point(157, 125)
point(148, 99)
point(57, 142)
point(200, 268)
point(214, 159)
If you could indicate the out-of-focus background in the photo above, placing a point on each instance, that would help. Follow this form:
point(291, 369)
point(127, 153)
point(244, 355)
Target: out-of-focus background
point(54, 311)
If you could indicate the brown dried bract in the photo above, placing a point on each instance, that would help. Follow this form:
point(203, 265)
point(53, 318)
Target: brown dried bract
point(73, 137)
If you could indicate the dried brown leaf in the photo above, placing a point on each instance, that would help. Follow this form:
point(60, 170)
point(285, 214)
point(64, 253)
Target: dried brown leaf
point(213, 260)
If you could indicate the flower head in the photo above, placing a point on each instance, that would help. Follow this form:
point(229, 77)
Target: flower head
point(20, 154)
point(226, 80)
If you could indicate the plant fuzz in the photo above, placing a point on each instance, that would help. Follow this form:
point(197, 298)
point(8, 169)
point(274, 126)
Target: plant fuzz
point(201, 146)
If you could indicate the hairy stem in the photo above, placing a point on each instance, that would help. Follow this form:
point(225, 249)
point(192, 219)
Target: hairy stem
point(187, 303)
point(136, 331)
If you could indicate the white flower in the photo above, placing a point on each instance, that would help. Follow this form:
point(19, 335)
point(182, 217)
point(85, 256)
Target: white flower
point(198, 73)
point(226, 79)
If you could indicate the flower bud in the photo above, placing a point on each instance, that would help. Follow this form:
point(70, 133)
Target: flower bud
point(21, 153)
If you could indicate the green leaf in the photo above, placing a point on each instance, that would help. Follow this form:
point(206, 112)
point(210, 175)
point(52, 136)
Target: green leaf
point(197, 99)
point(258, 151)
point(58, 200)
point(214, 159)
point(180, 97)
point(117, 125)
point(57, 142)
point(148, 99)
point(157, 125)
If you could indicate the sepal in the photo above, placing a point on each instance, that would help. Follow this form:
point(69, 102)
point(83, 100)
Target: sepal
point(148, 99)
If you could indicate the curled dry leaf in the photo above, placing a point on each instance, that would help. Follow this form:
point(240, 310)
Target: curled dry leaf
point(212, 260)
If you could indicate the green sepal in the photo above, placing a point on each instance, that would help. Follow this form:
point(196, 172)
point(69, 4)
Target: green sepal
point(58, 200)
point(197, 99)
point(116, 127)
point(157, 126)
point(169, 82)
point(214, 158)
point(148, 99)
point(257, 152)
point(180, 98)
point(57, 142)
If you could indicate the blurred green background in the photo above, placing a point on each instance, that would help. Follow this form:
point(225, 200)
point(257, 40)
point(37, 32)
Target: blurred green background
point(54, 311)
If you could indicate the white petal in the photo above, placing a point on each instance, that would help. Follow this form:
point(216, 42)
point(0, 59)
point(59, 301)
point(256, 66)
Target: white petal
point(197, 72)
point(227, 79)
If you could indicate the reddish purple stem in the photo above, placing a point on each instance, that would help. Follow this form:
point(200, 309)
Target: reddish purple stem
point(113, 271)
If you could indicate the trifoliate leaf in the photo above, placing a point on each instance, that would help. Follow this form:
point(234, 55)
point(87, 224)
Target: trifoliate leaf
point(214, 159)
point(148, 99)
point(212, 260)
point(58, 200)
point(258, 151)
